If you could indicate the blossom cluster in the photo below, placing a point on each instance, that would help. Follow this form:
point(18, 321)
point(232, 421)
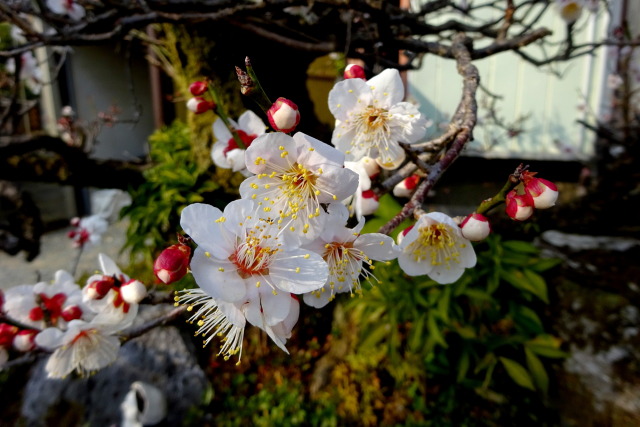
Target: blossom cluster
point(295, 234)
point(78, 325)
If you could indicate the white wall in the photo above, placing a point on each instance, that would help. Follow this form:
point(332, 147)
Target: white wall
point(101, 79)
point(552, 103)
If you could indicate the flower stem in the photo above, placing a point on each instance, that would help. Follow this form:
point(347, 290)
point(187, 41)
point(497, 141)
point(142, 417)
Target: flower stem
point(223, 116)
point(251, 87)
point(512, 182)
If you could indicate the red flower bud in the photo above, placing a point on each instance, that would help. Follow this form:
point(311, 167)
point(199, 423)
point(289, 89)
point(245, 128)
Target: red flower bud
point(198, 88)
point(544, 193)
point(475, 227)
point(519, 206)
point(354, 71)
point(405, 187)
point(25, 340)
point(172, 263)
point(200, 105)
point(369, 202)
point(283, 115)
point(71, 313)
point(7, 332)
point(99, 288)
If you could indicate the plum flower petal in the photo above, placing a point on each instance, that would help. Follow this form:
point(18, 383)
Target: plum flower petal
point(371, 119)
point(435, 247)
point(294, 175)
point(225, 152)
point(252, 255)
point(84, 347)
point(346, 251)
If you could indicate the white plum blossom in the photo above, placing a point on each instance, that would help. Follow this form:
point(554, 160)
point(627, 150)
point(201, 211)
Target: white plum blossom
point(88, 230)
point(30, 73)
point(225, 152)
point(103, 295)
point(364, 201)
point(371, 119)
point(216, 318)
point(435, 246)
point(54, 303)
point(84, 347)
point(346, 251)
point(294, 175)
point(67, 7)
point(241, 257)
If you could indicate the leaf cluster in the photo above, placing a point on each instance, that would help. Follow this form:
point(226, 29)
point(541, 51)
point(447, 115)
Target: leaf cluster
point(482, 336)
point(174, 181)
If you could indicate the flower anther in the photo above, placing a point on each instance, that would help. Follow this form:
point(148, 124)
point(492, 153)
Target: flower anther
point(294, 176)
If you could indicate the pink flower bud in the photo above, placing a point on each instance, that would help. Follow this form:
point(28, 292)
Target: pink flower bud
point(171, 265)
point(133, 291)
point(475, 227)
point(369, 202)
point(405, 187)
point(544, 193)
point(283, 115)
point(99, 288)
point(25, 340)
point(354, 71)
point(71, 313)
point(519, 206)
point(200, 105)
point(198, 88)
point(7, 332)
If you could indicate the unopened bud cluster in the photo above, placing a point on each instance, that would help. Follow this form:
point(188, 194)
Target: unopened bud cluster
point(198, 103)
point(535, 193)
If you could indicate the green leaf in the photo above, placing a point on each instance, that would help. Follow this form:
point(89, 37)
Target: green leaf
point(417, 334)
point(519, 246)
point(517, 373)
point(539, 284)
point(528, 319)
point(538, 372)
point(466, 332)
point(463, 365)
point(374, 337)
point(434, 331)
point(546, 346)
point(443, 304)
point(545, 264)
point(521, 280)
